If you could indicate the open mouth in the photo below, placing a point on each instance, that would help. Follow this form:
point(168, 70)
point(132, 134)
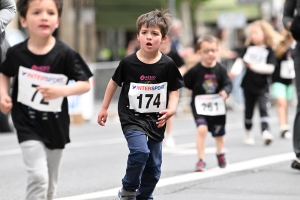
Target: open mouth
point(44, 26)
point(149, 44)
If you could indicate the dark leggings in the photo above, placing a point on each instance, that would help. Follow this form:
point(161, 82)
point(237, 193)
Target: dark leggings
point(250, 100)
point(296, 136)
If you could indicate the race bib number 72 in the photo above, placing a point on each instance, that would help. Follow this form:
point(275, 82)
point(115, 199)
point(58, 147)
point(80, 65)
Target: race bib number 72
point(148, 98)
point(28, 95)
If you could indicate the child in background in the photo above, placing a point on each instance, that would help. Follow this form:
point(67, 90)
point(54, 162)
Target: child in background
point(41, 67)
point(259, 58)
point(210, 86)
point(150, 84)
point(282, 78)
point(165, 48)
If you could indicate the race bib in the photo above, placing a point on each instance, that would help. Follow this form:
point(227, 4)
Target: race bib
point(256, 55)
point(287, 69)
point(28, 95)
point(148, 98)
point(210, 105)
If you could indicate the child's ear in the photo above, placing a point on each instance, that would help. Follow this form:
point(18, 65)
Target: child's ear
point(58, 22)
point(164, 38)
point(23, 22)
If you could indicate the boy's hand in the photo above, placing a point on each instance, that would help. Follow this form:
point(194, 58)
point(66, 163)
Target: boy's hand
point(5, 104)
point(102, 117)
point(167, 113)
point(249, 65)
point(50, 92)
point(223, 94)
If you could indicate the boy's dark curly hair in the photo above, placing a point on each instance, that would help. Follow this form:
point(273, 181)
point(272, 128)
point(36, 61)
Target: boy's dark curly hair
point(22, 6)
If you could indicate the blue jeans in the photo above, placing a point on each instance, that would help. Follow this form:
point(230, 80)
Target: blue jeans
point(143, 164)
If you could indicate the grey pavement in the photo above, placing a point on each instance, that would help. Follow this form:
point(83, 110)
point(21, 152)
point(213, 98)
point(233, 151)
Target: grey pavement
point(95, 161)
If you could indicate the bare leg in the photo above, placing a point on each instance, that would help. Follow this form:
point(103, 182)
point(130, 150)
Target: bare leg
point(201, 135)
point(220, 141)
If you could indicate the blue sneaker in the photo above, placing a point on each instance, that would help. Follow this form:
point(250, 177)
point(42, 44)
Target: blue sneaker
point(126, 195)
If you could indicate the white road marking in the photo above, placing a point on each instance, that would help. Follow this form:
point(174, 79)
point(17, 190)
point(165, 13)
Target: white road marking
point(195, 176)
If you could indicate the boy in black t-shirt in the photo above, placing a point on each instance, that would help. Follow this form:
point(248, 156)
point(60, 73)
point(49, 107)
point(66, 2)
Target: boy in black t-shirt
point(150, 84)
point(210, 85)
point(41, 66)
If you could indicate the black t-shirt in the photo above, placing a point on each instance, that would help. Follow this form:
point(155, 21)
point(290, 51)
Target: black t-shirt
point(203, 80)
point(276, 74)
point(176, 58)
point(254, 82)
point(132, 70)
point(52, 128)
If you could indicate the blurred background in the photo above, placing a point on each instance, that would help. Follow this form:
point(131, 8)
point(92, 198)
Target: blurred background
point(104, 31)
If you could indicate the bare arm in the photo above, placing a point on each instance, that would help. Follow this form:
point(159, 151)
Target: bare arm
point(5, 102)
point(266, 69)
point(109, 94)
point(170, 111)
point(7, 13)
point(52, 92)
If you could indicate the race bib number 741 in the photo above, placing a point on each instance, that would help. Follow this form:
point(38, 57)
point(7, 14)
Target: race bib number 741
point(28, 95)
point(147, 98)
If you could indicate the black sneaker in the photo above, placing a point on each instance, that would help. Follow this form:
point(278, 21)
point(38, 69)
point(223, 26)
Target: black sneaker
point(221, 160)
point(126, 195)
point(296, 164)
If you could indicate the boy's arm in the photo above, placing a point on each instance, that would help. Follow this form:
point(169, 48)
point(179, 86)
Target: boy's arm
point(50, 92)
point(5, 102)
point(109, 93)
point(170, 111)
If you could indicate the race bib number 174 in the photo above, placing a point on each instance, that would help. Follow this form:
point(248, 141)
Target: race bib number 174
point(28, 95)
point(148, 98)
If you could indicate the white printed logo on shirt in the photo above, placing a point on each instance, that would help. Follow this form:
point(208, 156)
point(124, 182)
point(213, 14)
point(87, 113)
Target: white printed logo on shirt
point(256, 55)
point(28, 95)
point(148, 98)
point(287, 69)
point(210, 105)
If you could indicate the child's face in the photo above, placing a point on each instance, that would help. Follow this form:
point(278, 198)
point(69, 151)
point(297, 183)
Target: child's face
point(150, 38)
point(257, 35)
point(41, 18)
point(208, 52)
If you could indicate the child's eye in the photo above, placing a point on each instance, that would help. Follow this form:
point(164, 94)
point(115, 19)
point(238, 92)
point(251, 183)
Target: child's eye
point(51, 13)
point(143, 32)
point(36, 12)
point(156, 34)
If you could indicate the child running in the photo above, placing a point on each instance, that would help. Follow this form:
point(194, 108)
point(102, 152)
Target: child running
point(150, 84)
point(282, 82)
point(41, 66)
point(210, 86)
point(173, 54)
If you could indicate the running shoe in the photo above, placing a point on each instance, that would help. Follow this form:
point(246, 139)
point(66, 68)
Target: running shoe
point(200, 166)
point(126, 195)
point(221, 160)
point(286, 134)
point(267, 137)
point(296, 164)
point(249, 140)
point(170, 141)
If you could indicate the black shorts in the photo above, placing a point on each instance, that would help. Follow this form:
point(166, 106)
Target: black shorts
point(216, 130)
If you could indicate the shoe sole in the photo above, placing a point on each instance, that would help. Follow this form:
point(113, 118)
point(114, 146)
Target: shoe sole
point(200, 170)
point(268, 141)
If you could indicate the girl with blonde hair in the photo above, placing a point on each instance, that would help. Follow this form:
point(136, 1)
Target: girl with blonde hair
point(259, 58)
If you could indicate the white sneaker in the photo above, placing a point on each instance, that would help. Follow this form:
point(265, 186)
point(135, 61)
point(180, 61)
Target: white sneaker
point(170, 141)
point(249, 140)
point(286, 135)
point(267, 136)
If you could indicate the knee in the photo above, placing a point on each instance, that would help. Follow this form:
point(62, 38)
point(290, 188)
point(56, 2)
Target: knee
point(39, 178)
point(152, 173)
point(139, 156)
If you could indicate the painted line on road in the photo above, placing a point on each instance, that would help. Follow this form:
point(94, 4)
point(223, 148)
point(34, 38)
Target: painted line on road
point(196, 176)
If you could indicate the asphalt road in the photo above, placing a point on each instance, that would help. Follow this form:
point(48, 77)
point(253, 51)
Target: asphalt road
point(94, 164)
